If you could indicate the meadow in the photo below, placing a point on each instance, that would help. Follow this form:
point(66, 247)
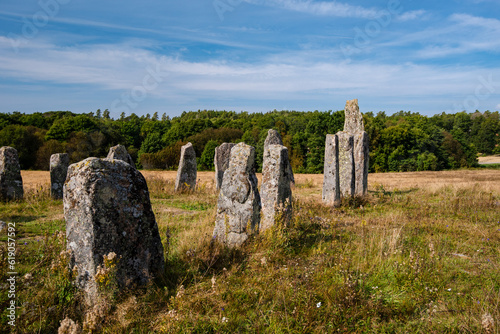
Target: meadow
point(419, 255)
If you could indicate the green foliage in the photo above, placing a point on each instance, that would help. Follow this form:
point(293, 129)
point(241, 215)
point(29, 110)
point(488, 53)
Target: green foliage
point(207, 157)
point(404, 141)
point(25, 139)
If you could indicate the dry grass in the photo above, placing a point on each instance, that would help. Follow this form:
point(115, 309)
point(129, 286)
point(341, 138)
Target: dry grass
point(419, 256)
point(310, 184)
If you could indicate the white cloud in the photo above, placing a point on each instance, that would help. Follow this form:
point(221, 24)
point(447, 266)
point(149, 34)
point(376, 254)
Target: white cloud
point(411, 15)
point(322, 8)
point(469, 20)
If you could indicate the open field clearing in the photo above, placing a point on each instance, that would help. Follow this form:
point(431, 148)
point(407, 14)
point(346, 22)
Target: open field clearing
point(311, 184)
point(492, 159)
point(419, 255)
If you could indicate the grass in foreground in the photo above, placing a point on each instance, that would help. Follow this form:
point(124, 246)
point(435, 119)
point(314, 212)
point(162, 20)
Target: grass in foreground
point(409, 260)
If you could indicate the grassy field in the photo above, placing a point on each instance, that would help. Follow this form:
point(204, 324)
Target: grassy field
point(420, 255)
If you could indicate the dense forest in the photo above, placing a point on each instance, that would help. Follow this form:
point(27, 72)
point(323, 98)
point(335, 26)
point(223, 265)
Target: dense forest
point(404, 141)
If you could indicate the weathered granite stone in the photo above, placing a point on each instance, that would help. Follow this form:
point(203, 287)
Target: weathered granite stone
point(361, 160)
point(331, 182)
point(107, 210)
point(276, 191)
point(350, 170)
point(238, 206)
point(221, 161)
point(353, 122)
point(346, 164)
point(59, 163)
point(11, 182)
point(120, 152)
point(274, 138)
point(186, 173)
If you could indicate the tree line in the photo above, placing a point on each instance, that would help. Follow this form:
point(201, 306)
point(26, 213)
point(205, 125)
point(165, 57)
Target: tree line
point(404, 141)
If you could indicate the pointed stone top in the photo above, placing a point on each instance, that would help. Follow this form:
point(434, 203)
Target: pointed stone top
point(273, 138)
point(353, 118)
point(119, 152)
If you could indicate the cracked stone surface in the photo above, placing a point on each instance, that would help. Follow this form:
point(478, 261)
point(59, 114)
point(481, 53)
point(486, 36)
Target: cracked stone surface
point(221, 161)
point(275, 189)
point(107, 209)
point(274, 138)
point(59, 164)
point(11, 182)
point(238, 205)
point(187, 171)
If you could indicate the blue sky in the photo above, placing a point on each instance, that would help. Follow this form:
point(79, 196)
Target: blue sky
point(249, 55)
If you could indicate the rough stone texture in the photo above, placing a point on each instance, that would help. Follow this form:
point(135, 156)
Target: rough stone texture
point(361, 160)
point(59, 163)
point(276, 191)
point(186, 174)
point(119, 152)
point(11, 182)
point(238, 206)
point(346, 164)
point(350, 170)
point(274, 138)
point(331, 182)
point(107, 210)
point(353, 118)
point(3, 226)
point(221, 161)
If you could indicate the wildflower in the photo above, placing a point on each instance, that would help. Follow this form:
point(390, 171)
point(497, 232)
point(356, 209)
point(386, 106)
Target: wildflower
point(224, 319)
point(318, 305)
point(449, 289)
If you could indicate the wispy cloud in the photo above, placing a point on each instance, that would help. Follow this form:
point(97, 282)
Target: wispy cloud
point(411, 15)
point(121, 67)
point(322, 8)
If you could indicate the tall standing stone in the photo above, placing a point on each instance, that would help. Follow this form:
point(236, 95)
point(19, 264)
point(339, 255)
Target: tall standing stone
point(353, 122)
point(274, 138)
point(221, 161)
point(276, 191)
point(346, 161)
point(238, 206)
point(331, 182)
point(59, 163)
point(187, 171)
point(11, 182)
point(346, 164)
point(119, 152)
point(107, 210)
point(361, 158)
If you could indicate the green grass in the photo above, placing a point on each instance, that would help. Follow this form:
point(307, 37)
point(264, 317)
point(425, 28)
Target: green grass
point(403, 261)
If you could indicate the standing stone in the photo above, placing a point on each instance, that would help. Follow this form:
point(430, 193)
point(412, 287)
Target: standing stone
point(361, 159)
point(276, 191)
point(238, 206)
point(331, 182)
point(274, 138)
point(119, 152)
point(11, 182)
point(186, 174)
point(346, 164)
point(107, 210)
point(221, 161)
point(349, 172)
point(353, 122)
point(59, 163)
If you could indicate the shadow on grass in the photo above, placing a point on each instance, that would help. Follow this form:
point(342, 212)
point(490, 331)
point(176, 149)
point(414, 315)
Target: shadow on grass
point(381, 192)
